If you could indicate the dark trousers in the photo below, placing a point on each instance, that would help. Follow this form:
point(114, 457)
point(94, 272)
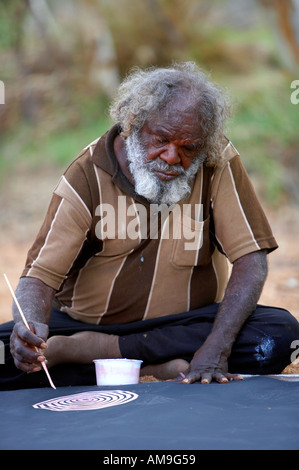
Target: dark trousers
point(263, 346)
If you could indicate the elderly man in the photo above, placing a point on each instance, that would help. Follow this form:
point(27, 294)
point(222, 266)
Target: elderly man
point(131, 260)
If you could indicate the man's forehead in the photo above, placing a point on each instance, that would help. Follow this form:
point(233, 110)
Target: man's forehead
point(185, 125)
point(170, 132)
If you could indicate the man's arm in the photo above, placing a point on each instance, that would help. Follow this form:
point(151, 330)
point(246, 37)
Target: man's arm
point(241, 296)
point(35, 299)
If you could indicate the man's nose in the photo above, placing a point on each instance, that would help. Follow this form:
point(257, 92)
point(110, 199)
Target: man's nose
point(171, 155)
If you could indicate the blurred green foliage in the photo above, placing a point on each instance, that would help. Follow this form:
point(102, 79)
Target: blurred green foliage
point(265, 131)
point(71, 111)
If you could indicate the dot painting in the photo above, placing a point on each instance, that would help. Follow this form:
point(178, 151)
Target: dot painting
point(87, 401)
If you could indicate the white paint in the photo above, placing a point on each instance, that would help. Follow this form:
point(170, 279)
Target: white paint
point(87, 401)
point(264, 349)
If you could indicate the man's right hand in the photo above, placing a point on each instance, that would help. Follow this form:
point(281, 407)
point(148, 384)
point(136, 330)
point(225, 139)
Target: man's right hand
point(23, 343)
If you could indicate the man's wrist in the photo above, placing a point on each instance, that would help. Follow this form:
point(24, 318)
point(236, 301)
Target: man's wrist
point(219, 344)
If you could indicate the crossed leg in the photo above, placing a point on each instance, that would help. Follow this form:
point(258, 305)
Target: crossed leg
point(84, 347)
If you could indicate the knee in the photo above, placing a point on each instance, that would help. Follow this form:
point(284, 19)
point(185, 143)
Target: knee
point(281, 346)
point(289, 328)
point(275, 338)
point(290, 336)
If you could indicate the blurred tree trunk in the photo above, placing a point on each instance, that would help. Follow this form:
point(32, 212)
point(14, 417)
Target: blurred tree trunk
point(285, 22)
point(43, 19)
point(27, 101)
point(164, 22)
point(90, 42)
point(103, 66)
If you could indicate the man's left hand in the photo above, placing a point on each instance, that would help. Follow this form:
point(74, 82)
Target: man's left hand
point(208, 365)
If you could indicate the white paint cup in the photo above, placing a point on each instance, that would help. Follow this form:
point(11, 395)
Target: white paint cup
point(117, 371)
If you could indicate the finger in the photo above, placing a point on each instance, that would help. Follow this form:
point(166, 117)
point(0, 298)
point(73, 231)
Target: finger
point(221, 378)
point(23, 352)
point(29, 337)
point(182, 375)
point(26, 367)
point(191, 377)
point(41, 330)
point(28, 356)
point(206, 378)
point(234, 376)
point(22, 356)
point(178, 378)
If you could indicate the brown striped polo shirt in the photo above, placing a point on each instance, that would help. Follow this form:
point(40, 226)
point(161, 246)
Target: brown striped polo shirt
point(114, 258)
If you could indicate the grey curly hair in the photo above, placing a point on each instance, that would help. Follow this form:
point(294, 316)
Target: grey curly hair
point(144, 92)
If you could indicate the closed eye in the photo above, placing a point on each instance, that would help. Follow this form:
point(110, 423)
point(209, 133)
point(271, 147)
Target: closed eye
point(192, 147)
point(160, 141)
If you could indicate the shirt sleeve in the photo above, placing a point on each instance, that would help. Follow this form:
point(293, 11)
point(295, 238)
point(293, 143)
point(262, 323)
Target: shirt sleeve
point(240, 223)
point(61, 236)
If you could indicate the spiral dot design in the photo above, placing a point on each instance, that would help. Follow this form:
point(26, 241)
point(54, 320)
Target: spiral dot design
point(87, 401)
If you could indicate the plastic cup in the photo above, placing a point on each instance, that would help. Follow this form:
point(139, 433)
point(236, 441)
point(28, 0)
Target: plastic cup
point(117, 371)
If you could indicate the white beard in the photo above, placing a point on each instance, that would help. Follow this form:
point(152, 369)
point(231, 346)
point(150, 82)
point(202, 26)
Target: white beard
point(148, 185)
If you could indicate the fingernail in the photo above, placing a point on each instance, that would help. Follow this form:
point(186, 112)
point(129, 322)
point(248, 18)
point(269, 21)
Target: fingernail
point(43, 345)
point(204, 381)
point(36, 369)
point(185, 381)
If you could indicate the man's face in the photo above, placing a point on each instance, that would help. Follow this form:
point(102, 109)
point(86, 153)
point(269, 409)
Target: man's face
point(165, 155)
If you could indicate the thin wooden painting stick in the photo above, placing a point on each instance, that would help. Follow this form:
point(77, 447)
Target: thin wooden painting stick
point(27, 326)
